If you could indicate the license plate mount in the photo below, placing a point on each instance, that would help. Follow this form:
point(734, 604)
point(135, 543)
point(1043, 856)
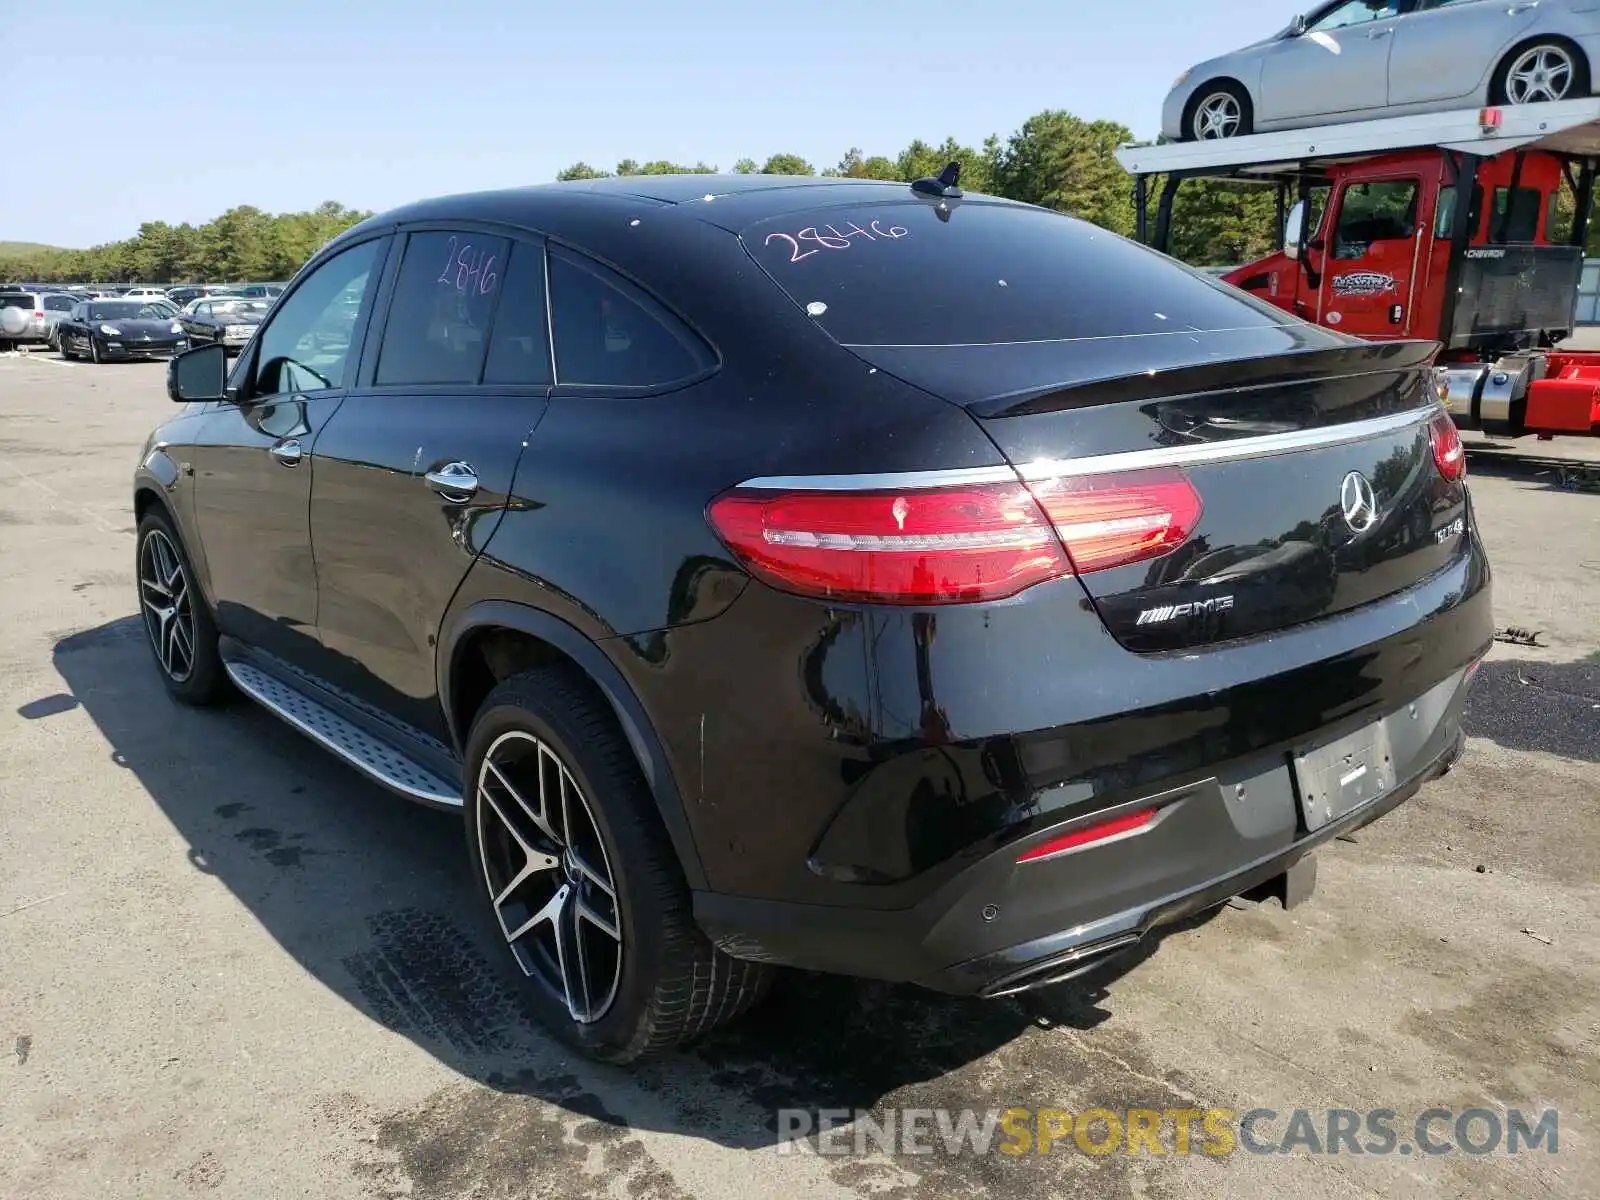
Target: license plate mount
point(1340, 776)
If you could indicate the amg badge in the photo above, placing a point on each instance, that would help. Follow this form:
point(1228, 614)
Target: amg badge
point(1171, 612)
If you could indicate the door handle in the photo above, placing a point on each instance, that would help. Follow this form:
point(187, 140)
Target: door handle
point(288, 453)
point(1516, 10)
point(457, 482)
point(1380, 33)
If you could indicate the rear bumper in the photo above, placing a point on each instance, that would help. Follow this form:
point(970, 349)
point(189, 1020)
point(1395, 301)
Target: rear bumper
point(1216, 839)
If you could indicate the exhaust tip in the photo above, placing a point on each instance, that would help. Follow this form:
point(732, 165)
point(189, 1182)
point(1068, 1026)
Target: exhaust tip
point(1061, 968)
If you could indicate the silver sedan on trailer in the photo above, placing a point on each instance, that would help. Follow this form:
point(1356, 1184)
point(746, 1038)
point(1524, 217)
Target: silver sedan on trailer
point(1353, 60)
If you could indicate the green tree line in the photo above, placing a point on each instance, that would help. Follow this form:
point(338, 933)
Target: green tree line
point(244, 243)
point(1054, 159)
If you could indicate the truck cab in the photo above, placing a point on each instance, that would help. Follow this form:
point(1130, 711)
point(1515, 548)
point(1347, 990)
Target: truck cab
point(1369, 251)
point(1464, 228)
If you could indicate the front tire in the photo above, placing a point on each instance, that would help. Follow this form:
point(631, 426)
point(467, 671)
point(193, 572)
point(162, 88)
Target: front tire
point(94, 350)
point(1541, 72)
point(183, 637)
point(582, 884)
point(1219, 110)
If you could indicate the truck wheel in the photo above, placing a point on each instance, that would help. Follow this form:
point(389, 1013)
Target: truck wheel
point(1539, 72)
point(580, 882)
point(1219, 110)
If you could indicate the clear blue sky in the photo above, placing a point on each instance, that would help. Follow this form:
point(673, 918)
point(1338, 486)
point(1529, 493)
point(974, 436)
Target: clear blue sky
point(172, 111)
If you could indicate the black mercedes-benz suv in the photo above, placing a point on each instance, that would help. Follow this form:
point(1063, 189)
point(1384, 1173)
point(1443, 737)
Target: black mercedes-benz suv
point(850, 575)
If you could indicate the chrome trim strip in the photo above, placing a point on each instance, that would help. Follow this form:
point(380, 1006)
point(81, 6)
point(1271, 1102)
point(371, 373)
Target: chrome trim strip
point(1229, 451)
point(242, 682)
point(889, 481)
point(1100, 464)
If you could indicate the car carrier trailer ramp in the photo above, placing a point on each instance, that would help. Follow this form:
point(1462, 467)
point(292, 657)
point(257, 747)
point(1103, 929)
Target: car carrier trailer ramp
point(1570, 127)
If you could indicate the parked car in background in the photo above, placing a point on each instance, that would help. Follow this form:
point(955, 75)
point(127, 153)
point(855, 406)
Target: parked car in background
point(120, 329)
point(261, 291)
point(995, 632)
point(229, 320)
point(184, 293)
point(29, 316)
point(1352, 60)
point(145, 293)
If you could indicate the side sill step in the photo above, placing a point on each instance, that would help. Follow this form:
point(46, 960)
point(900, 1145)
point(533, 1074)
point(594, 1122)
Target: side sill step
point(356, 746)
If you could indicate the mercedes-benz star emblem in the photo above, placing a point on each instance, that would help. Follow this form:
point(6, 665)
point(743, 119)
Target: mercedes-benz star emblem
point(1357, 502)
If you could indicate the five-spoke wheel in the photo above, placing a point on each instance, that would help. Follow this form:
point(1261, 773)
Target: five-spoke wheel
point(168, 606)
point(548, 874)
point(1220, 110)
point(1540, 73)
point(584, 887)
point(182, 633)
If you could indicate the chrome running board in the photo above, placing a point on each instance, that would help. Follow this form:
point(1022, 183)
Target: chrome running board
point(371, 756)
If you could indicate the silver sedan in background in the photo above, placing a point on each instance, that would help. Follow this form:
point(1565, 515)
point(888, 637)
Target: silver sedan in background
point(1352, 60)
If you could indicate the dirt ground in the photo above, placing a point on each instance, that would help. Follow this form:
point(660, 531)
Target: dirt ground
point(231, 967)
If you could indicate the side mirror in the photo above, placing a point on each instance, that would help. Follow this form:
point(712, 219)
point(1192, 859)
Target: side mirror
point(1294, 229)
point(1298, 27)
point(200, 374)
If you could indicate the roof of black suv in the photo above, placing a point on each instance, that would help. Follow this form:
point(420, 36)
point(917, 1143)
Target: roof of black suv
point(729, 201)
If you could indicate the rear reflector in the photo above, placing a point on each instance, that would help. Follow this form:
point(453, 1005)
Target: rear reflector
point(1112, 520)
point(1090, 835)
point(1449, 454)
point(953, 545)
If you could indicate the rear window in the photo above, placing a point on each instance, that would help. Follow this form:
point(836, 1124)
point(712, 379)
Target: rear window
point(903, 274)
point(14, 300)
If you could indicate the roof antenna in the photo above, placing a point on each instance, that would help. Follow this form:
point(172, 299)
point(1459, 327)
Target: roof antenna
point(944, 186)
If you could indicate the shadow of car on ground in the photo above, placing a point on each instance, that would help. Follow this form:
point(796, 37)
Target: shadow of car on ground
point(373, 896)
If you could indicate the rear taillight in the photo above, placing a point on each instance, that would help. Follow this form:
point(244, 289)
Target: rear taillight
point(38, 316)
point(953, 545)
point(1112, 520)
point(924, 546)
point(1449, 455)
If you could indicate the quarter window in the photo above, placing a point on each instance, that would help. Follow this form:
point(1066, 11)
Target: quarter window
point(609, 333)
point(306, 346)
point(438, 325)
point(519, 349)
point(1375, 212)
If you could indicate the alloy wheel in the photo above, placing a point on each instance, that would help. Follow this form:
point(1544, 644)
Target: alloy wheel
point(1217, 116)
point(168, 605)
point(1540, 74)
point(548, 875)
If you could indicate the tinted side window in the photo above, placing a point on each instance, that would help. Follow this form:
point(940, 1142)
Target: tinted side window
point(519, 350)
point(438, 323)
point(57, 304)
point(306, 346)
point(608, 332)
point(1523, 224)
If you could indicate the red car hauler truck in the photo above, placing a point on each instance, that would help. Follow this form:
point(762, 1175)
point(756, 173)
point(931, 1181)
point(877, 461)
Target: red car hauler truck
point(1384, 241)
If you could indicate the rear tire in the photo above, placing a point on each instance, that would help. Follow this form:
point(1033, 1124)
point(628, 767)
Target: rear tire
point(182, 633)
point(1540, 72)
point(64, 348)
point(596, 883)
point(1219, 110)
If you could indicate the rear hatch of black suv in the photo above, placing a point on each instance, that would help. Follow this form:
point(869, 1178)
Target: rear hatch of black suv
point(1215, 468)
